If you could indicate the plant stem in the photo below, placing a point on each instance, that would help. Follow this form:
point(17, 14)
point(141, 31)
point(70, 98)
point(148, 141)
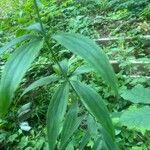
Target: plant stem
point(47, 42)
point(39, 18)
point(49, 47)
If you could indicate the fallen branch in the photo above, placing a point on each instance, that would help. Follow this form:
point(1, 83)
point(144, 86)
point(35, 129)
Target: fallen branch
point(107, 39)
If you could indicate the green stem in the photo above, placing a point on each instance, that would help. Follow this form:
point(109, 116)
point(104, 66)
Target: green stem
point(47, 42)
point(39, 18)
point(49, 47)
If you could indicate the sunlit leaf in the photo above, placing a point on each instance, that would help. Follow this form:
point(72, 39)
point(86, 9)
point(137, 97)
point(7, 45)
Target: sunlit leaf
point(55, 115)
point(25, 126)
point(137, 94)
point(15, 69)
point(136, 118)
point(91, 52)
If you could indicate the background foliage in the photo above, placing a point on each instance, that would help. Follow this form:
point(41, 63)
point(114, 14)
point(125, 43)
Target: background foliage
point(95, 19)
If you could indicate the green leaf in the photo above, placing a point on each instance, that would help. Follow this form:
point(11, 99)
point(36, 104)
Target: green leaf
point(72, 122)
point(138, 94)
point(104, 142)
point(136, 118)
point(99, 144)
point(70, 146)
point(92, 126)
point(103, 139)
point(15, 41)
point(15, 69)
point(108, 142)
point(40, 82)
point(136, 148)
point(92, 132)
point(91, 52)
point(95, 105)
point(55, 115)
point(82, 69)
point(35, 27)
point(85, 139)
point(24, 112)
point(64, 67)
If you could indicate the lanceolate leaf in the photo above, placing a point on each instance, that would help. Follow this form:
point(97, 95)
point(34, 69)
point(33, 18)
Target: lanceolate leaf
point(15, 69)
point(92, 126)
point(82, 69)
point(92, 132)
point(136, 118)
point(35, 27)
point(15, 41)
point(99, 144)
point(95, 105)
point(40, 82)
point(70, 146)
point(56, 111)
point(72, 122)
point(108, 142)
point(91, 52)
point(85, 139)
point(64, 66)
point(104, 142)
point(138, 94)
